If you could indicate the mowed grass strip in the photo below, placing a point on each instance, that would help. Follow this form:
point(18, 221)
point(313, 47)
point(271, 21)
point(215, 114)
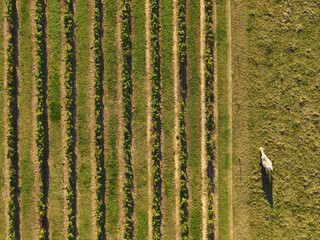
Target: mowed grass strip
point(55, 161)
point(112, 167)
point(2, 133)
point(194, 117)
point(84, 163)
point(11, 75)
point(27, 173)
point(140, 163)
point(223, 120)
point(166, 12)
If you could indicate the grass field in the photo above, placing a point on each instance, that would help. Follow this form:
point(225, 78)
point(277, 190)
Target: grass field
point(283, 118)
point(156, 112)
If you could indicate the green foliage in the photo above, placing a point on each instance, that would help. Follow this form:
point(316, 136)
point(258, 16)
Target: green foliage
point(70, 129)
point(156, 120)
point(40, 110)
point(209, 86)
point(182, 49)
point(12, 128)
point(127, 115)
point(98, 132)
point(182, 55)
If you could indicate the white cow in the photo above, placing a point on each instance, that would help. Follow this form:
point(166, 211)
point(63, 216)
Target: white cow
point(266, 162)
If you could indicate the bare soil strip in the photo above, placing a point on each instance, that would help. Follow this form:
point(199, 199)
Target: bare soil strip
point(215, 105)
point(33, 152)
point(230, 147)
point(92, 120)
point(175, 66)
point(63, 115)
point(149, 128)
point(120, 153)
point(204, 196)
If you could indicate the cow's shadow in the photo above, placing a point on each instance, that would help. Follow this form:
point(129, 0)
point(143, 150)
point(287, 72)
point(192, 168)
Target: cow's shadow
point(266, 179)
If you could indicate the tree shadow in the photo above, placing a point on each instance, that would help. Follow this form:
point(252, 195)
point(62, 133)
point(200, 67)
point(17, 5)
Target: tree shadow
point(267, 185)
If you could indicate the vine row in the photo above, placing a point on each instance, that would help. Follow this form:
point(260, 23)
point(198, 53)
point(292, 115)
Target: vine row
point(126, 44)
point(182, 55)
point(69, 76)
point(98, 131)
point(41, 135)
point(209, 98)
point(12, 138)
point(156, 119)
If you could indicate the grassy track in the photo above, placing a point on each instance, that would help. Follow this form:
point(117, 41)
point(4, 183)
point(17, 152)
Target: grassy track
point(2, 140)
point(284, 118)
point(194, 115)
point(223, 120)
point(112, 168)
point(139, 120)
point(56, 174)
point(239, 52)
point(83, 81)
point(175, 71)
point(168, 120)
point(28, 201)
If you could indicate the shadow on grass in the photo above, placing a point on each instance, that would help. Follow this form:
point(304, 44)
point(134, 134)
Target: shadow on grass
point(266, 179)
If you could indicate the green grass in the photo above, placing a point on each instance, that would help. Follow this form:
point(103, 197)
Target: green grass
point(112, 168)
point(284, 118)
point(56, 173)
point(2, 153)
point(223, 120)
point(139, 121)
point(169, 226)
point(84, 204)
point(194, 121)
point(26, 82)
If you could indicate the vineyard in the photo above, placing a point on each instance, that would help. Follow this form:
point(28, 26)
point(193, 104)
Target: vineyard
point(127, 119)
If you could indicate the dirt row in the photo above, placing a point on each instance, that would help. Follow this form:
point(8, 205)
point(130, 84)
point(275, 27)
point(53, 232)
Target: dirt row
point(204, 195)
point(230, 113)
